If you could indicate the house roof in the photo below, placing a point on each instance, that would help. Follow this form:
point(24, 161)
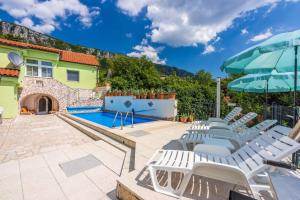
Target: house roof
point(70, 56)
point(67, 56)
point(27, 45)
point(9, 72)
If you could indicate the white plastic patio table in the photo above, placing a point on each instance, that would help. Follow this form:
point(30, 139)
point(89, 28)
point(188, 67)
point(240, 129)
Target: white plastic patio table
point(285, 187)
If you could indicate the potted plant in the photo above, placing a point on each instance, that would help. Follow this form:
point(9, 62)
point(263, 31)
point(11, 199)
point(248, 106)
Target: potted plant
point(112, 93)
point(118, 93)
point(160, 94)
point(137, 94)
point(143, 94)
point(190, 118)
point(130, 92)
point(166, 94)
point(123, 92)
point(151, 94)
point(171, 94)
point(183, 118)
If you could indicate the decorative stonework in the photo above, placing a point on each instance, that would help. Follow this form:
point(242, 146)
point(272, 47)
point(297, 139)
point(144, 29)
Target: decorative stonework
point(65, 95)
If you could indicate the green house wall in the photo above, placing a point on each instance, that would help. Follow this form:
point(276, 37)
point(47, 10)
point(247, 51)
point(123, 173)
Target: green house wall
point(8, 94)
point(87, 75)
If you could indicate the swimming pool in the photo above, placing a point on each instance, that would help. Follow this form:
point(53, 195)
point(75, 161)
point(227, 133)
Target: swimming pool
point(107, 118)
point(83, 108)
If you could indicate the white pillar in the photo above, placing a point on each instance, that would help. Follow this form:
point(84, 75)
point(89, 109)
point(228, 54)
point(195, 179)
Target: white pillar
point(218, 100)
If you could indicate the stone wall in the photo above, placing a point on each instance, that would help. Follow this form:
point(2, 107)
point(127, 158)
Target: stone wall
point(65, 95)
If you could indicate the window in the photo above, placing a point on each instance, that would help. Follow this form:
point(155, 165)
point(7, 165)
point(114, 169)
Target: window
point(38, 68)
point(72, 75)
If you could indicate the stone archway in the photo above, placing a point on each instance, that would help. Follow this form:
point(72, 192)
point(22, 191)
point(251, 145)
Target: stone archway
point(39, 103)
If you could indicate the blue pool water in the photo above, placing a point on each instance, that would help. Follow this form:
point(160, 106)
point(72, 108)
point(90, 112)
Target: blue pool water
point(107, 118)
point(83, 108)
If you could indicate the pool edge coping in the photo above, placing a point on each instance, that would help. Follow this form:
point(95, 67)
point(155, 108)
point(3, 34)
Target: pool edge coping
point(129, 142)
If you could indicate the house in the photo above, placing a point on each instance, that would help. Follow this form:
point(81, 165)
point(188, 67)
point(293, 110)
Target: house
point(48, 80)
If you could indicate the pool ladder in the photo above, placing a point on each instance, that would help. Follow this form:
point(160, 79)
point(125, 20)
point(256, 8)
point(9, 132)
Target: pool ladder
point(121, 115)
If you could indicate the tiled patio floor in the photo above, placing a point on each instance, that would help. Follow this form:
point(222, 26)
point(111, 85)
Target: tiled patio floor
point(52, 142)
point(33, 149)
point(40, 177)
point(30, 135)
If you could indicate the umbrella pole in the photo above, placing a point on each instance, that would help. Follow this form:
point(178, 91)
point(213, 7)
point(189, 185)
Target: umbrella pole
point(266, 98)
point(295, 85)
point(295, 159)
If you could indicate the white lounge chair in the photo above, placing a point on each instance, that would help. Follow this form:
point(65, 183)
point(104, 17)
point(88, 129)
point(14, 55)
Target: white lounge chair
point(239, 168)
point(229, 117)
point(235, 126)
point(226, 138)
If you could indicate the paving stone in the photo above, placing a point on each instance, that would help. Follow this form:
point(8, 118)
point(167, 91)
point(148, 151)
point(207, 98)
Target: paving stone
point(80, 165)
point(30, 135)
point(11, 188)
point(40, 184)
point(79, 187)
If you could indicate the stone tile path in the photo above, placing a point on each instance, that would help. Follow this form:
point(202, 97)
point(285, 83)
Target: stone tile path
point(33, 147)
point(40, 177)
point(30, 135)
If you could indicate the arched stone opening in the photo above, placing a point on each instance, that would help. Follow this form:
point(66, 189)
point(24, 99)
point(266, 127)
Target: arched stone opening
point(39, 104)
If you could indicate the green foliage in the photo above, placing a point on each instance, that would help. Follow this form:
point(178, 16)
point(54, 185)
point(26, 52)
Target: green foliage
point(253, 101)
point(132, 73)
point(195, 94)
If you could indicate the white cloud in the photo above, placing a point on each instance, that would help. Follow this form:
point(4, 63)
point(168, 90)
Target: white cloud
point(262, 36)
point(244, 31)
point(208, 49)
point(44, 28)
point(132, 7)
point(192, 22)
point(47, 13)
point(148, 51)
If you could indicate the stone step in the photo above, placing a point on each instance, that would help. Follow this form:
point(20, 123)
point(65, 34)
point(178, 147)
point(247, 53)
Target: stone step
point(129, 160)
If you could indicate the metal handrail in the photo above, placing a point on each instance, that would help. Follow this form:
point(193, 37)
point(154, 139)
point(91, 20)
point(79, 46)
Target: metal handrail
point(115, 118)
point(126, 116)
point(131, 118)
point(116, 115)
point(123, 121)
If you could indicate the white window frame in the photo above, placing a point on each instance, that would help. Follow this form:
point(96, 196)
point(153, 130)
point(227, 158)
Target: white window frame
point(40, 66)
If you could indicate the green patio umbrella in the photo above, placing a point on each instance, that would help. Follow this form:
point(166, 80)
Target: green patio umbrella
point(279, 53)
point(273, 82)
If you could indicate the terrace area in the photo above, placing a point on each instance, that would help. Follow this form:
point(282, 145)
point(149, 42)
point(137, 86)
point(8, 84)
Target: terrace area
point(52, 157)
point(33, 149)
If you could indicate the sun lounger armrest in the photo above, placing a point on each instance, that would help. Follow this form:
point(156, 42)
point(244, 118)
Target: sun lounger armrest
point(152, 160)
point(290, 166)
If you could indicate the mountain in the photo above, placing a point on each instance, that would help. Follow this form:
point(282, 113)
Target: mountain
point(21, 33)
point(168, 70)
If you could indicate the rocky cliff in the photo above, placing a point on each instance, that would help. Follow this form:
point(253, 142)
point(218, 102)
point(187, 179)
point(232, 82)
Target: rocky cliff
point(21, 33)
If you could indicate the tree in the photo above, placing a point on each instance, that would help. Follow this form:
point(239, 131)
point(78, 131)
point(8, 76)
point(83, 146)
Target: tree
point(204, 78)
point(135, 72)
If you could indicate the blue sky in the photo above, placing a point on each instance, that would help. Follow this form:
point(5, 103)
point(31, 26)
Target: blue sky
point(188, 34)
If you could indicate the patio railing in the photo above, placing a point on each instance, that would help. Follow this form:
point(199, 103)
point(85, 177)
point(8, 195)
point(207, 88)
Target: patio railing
point(283, 114)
